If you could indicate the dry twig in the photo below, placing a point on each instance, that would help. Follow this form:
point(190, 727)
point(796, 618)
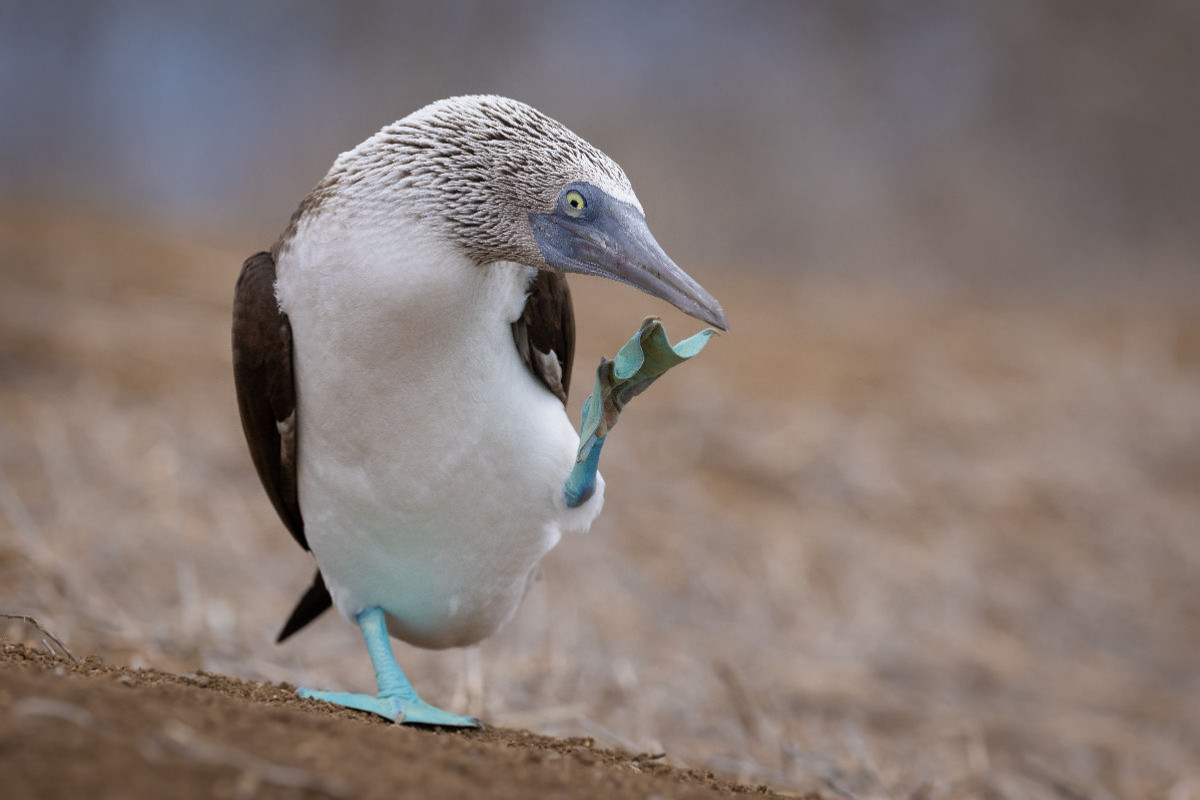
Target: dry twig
point(28, 620)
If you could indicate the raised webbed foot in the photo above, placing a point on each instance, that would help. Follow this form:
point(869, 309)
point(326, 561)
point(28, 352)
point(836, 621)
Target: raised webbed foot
point(640, 362)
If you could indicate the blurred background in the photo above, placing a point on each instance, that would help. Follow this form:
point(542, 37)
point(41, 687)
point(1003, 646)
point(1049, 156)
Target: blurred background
point(926, 523)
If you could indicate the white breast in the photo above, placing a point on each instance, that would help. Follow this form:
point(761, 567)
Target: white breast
point(431, 462)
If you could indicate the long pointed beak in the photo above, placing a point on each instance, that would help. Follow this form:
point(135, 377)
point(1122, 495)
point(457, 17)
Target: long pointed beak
point(615, 242)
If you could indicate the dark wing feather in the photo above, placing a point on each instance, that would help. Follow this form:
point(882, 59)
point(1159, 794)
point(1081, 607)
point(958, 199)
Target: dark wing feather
point(312, 605)
point(545, 332)
point(266, 393)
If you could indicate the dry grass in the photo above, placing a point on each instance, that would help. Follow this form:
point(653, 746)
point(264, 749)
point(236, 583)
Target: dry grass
point(874, 544)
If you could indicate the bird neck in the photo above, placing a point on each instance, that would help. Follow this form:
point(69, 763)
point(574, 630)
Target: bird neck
point(398, 286)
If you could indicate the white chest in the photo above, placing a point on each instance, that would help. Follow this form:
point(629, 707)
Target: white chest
point(430, 461)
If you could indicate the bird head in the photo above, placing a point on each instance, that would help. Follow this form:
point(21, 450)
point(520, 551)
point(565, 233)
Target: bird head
point(507, 183)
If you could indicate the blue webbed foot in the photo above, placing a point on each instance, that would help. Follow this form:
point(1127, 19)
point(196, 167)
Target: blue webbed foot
point(397, 709)
point(640, 362)
point(397, 699)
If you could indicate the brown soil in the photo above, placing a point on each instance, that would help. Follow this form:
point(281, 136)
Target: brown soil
point(91, 729)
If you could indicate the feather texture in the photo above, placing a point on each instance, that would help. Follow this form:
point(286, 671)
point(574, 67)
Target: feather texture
point(545, 332)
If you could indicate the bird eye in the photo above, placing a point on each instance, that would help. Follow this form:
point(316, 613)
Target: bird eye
point(575, 204)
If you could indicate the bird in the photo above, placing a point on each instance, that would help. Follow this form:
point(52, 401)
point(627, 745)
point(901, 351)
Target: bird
point(402, 356)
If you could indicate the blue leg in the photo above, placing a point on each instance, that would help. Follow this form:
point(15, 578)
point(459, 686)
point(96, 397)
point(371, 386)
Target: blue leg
point(640, 362)
point(581, 483)
point(397, 700)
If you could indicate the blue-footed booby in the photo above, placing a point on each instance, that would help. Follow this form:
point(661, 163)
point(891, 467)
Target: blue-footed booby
point(402, 357)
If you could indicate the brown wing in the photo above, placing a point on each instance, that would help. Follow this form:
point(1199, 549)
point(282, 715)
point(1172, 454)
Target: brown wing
point(266, 394)
point(545, 332)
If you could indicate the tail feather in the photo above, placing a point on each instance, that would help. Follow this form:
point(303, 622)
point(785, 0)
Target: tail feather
point(312, 605)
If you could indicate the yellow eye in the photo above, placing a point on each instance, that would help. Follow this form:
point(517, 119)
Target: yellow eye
point(575, 204)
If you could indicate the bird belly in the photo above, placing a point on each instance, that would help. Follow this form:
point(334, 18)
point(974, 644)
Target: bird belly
point(431, 463)
point(450, 554)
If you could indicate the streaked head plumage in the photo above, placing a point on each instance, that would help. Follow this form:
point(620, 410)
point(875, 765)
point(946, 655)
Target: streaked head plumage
point(472, 167)
point(504, 182)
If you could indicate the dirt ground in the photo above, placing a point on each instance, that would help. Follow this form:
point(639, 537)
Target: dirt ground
point(92, 730)
point(878, 541)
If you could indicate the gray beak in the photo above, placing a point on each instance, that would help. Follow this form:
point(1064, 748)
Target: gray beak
point(610, 238)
